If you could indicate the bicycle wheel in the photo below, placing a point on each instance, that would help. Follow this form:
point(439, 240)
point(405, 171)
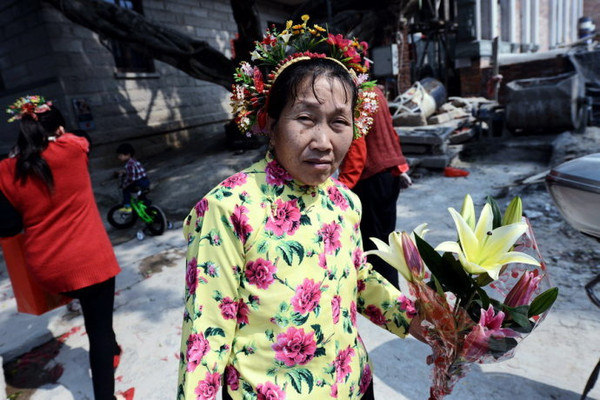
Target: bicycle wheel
point(159, 221)
point(120, 219)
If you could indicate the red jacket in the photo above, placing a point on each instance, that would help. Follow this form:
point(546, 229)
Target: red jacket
point(66, 244)
point(378, 151)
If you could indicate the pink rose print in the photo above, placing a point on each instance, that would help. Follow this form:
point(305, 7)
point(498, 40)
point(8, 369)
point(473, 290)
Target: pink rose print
point(201, 207)
point(197, 347)
point(276, 174)
point(407, 305)
point(232, 377)
point(375, 315)
point(191, 275)
point(285, 218)
point(360, 285)
point(242, 312)
point(208, 388)
point(235, 180)
point(342, 363)
point(335, 308)
point(239, 219)
point(260, 273)
point(307, 296)
point(323, 260)
point(294, 347)
point(358, 258)
point(334, 391)
point(229, 308)
point(353, 313)
point(337, 197)
point(365, 379)
point(270, 391)
point(330, 233)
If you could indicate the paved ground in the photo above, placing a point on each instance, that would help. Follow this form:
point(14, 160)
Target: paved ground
point(554, 363)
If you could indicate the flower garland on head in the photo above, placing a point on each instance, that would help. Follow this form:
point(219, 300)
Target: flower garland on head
point(31, 105)
point(279, 50)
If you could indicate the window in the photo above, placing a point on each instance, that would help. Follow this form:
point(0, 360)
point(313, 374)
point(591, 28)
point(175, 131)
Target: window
point(127, 59)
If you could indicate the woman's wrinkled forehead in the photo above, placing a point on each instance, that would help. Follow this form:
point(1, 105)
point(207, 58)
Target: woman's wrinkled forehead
point(311, 88)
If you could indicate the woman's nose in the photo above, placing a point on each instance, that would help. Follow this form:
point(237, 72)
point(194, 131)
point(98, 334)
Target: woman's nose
point(321, 139)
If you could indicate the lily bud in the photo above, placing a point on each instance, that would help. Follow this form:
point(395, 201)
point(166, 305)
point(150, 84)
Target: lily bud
point(523, 290)
point(514, 212)
point(412, 257)
point(468, 211)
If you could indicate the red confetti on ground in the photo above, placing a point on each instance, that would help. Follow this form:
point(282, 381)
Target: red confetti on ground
point(452, 172)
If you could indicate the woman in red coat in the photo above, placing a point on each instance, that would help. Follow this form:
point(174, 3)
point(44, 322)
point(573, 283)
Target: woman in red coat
point(67, 249)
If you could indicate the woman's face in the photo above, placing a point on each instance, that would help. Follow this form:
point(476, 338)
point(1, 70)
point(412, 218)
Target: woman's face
point(314, 132)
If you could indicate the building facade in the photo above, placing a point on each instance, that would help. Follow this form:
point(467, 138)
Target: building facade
point(112, 93)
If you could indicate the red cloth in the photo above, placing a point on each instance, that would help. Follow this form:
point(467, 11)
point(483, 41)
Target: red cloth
point(66, 245)
point(377, 151)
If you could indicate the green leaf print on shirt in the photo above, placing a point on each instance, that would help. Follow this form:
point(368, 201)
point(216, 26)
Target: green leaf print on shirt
point(290, 248)
point(297, 376)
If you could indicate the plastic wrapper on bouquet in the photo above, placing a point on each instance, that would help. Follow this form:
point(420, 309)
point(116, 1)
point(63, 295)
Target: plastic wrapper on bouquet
point(477, 297)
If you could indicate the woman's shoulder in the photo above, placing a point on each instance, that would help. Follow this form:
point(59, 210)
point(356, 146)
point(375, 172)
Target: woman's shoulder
point(78, 141)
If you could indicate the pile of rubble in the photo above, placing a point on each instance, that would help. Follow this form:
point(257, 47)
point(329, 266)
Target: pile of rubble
point(432, 141)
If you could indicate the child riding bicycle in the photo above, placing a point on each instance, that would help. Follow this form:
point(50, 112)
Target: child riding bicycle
point(133, 175)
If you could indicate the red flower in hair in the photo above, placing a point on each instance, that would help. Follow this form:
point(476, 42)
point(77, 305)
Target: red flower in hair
point(258, 81)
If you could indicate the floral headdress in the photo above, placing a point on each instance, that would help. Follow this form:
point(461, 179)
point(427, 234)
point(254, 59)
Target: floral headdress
point(31, 105)
point(279, 50)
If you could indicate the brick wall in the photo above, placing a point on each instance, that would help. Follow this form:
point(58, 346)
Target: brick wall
point(42, 52)
point(591, 8)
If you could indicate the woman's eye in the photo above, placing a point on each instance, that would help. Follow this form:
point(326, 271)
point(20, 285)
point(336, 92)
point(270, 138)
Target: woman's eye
point(344, 122)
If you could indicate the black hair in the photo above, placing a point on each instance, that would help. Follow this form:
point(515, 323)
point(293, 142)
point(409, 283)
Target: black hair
point(126, 148)
point(285, 87)
point(32, 141)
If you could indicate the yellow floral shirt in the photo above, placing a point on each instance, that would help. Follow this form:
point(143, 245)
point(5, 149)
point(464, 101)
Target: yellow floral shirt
point(275, 276)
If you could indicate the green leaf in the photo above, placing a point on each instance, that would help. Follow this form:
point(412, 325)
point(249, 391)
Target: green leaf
point(262, 247)
point(495, 211)
point(543, 302)
point(304, 219)
point(519, 315)
point(290, 248)
point(270, 335)
point(283, 307)
point(318, 333)
point(447, 271)
point(451, 278)
point(320, 351)
point(214, 332)
point(483, 280)
point(299, 319)
point(297, 376)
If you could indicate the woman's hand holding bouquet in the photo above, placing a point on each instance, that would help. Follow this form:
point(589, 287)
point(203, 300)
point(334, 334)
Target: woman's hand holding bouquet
point(477, 301)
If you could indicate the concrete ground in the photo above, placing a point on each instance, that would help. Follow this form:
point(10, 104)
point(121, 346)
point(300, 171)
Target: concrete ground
point(553, 363)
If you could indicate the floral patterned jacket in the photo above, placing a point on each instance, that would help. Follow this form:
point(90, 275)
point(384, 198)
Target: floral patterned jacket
point(275, 277)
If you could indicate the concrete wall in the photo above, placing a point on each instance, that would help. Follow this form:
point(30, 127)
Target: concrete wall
point(41, 52)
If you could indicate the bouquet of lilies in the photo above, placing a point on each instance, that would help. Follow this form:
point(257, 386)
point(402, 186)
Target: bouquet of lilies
point(481, 295)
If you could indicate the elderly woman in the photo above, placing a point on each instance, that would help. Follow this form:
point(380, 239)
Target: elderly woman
point(275, 269)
